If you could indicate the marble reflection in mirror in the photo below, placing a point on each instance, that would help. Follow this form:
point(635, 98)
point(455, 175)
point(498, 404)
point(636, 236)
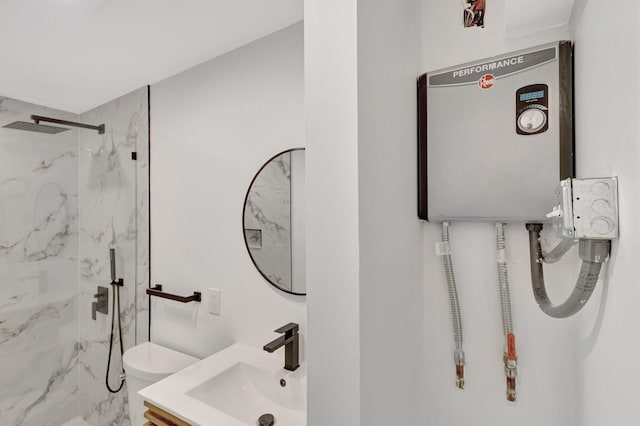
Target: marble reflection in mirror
point(273, 221)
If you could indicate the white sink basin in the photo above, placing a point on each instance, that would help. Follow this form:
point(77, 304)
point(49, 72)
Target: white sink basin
point(245, 392)
point(234, 387)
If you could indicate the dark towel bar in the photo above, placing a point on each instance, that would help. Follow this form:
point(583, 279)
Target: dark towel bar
point(157, 291)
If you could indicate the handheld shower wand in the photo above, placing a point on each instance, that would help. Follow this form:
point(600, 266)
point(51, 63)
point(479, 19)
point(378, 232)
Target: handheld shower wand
point(112, 259)
point(115, 284)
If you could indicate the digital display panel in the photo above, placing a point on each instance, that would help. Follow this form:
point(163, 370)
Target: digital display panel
point(524, 97)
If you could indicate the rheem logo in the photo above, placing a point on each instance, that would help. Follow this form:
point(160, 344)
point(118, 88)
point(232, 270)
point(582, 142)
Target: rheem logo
point(487, 81)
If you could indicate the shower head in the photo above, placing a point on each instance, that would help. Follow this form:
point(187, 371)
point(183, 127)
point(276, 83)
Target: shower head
point(35, 127)
point(52, 130)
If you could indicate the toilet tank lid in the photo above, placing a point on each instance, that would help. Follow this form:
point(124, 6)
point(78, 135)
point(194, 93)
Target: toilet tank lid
point(150, 361)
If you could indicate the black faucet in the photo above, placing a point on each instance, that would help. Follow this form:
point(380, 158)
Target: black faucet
point(290, 340)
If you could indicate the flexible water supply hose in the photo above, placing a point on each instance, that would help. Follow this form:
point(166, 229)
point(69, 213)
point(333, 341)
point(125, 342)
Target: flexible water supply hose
point(593, 254)
point(503, 279)
point(458, 353)
point(509, 358)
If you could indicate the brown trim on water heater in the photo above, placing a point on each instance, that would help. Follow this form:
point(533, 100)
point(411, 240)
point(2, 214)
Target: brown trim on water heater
point(422, 148)
point(567, 128)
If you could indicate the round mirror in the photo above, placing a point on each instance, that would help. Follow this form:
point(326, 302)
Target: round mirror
point(273, 221)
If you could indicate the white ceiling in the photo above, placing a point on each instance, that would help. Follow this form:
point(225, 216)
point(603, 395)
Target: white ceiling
point(77, 54)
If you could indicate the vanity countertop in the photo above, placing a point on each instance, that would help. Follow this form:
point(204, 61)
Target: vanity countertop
point(232, 388)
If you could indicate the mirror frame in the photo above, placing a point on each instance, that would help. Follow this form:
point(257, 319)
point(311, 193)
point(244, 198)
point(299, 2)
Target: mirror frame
point(244, 208)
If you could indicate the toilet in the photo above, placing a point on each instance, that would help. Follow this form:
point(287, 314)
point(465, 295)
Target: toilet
point(146, 364)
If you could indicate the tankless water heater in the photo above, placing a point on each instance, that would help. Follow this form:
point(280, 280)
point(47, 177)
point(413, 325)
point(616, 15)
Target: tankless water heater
point(495, 136)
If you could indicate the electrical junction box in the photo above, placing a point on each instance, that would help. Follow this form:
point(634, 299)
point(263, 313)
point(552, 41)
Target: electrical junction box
point(586, 209)
point(495, 136)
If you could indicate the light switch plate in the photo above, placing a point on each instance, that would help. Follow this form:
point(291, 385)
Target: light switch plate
point(214, 301)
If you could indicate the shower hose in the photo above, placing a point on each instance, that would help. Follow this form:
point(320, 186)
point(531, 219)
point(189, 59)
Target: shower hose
point(593, 254)
point(115, 285)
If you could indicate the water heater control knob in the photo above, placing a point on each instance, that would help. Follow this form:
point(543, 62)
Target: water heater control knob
point(532, 120)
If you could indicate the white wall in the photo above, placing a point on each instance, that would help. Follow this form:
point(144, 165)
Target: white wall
point(547, 387)
point(607, 116)
point(526, 17)
point(568, 369)
point(364, 240)
point(390, 235)
point(331, 108)
point(361, 267)
point(212, 128)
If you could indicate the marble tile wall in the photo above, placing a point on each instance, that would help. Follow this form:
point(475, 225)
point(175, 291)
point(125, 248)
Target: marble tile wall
point(113, 213)
point(65, 200)
point(38, 271)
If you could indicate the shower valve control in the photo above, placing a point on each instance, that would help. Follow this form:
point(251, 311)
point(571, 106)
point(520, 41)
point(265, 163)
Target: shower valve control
point(587, 209)
point(102, 302)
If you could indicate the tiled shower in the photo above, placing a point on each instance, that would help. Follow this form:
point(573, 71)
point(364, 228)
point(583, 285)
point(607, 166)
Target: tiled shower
point(65, 200)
